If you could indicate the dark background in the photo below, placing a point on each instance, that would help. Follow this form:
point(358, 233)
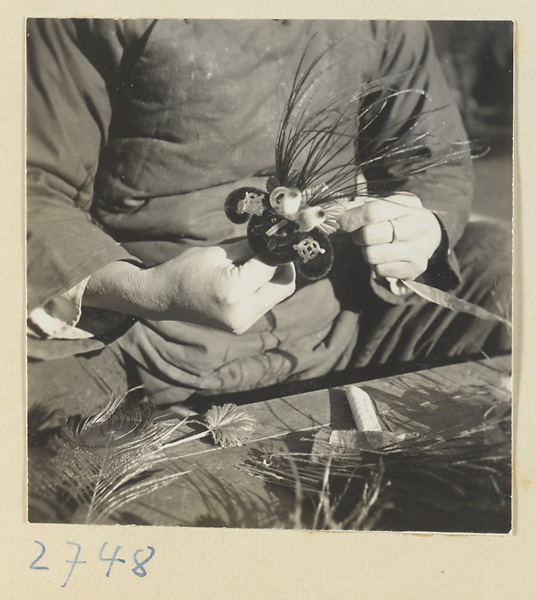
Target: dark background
point(477, 58)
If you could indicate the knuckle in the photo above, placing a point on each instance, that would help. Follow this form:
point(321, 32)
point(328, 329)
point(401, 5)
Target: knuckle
point(227, 293)
point(237, 321)
point(347, 221)
point(232, 297)
point(371, 212)
point(222, 302)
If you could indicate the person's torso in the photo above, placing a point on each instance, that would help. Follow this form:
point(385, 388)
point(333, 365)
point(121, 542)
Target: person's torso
point(199, 104)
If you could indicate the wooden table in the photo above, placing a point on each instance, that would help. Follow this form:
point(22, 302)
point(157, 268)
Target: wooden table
point(220, 491)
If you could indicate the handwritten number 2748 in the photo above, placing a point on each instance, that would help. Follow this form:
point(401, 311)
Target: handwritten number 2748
point(138, 569)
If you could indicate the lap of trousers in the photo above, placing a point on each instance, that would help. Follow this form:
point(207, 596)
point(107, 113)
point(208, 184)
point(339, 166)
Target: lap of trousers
point(387, 334)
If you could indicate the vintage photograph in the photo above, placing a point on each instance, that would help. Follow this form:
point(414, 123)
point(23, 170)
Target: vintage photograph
point(269, 273)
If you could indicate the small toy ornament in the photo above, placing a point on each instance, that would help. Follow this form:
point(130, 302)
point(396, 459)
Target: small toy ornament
point(283, 227)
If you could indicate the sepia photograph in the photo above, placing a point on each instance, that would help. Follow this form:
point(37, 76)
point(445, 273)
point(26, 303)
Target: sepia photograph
point(269, 273)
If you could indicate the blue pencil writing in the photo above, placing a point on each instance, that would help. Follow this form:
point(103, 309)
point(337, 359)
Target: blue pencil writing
point(112, 559)
point(34, 563)
point(73, 562)
point(139, 569)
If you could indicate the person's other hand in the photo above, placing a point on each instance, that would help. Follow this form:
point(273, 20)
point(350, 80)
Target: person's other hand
point(225, 287)
point(397, 235)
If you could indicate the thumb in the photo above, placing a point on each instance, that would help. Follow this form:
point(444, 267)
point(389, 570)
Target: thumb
point(255, 273)
point(379, 210)
point(238, 252)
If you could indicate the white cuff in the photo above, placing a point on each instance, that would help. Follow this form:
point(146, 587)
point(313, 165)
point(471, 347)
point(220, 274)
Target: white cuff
point(59, 317)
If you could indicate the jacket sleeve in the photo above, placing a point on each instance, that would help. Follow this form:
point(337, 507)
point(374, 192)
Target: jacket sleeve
point(428, 117)
point(68, 114)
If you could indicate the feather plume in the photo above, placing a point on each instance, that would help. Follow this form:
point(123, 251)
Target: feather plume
point(451, 302)
point(324, 149)
point(229, 425)
point(99, 463)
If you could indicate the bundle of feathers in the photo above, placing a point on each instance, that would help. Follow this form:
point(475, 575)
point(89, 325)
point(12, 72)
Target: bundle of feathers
point(451, 481)
point(315, 182)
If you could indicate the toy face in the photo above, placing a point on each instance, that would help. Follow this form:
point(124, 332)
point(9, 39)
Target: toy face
point(285, 201)
point(252, 203)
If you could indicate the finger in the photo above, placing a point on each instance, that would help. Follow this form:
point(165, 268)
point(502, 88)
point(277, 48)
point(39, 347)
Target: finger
point(253, 274)
point(265, 298)
point(387, 253)
point(404, 229)
point(376, 211)
point(238, 252)
point(400, 270)
point(376, 233)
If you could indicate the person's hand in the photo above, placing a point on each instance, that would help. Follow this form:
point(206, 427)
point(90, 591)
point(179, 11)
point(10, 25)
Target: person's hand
point(220, 286)
point(397, 235)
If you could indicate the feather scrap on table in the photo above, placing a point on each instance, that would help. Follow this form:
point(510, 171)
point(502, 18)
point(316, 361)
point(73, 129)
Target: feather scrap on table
point(98, 464)
point(228, 425)
point(449, 481)
point(315, 180)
